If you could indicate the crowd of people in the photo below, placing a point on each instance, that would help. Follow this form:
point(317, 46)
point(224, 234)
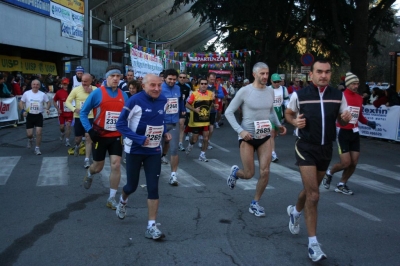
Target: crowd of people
point(149, 118)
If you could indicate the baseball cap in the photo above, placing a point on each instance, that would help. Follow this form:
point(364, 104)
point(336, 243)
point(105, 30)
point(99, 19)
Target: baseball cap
point(246, 81)
point(65, 81)
point(79, 69)
point(276, 77)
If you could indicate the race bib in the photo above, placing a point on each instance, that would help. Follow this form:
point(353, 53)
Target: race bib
point(34, 108)
point(355, 112)
point(355, 129)
point(154, 133)
point(111, 120)
point(172, 106)
point(278, 100)
point(262, 129)
point(66, 109)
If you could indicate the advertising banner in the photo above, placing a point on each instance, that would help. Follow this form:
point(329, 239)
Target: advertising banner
point(8, 109)
point(29, 66)
point(71, 21)
point(76, 5)
point(38, 6)
point(144, 63)
point(10, 63)
point(387, 122)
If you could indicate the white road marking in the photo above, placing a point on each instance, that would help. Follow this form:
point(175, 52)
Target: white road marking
point(7, 166)
point(359, 212)
point(379, 171)
point(223, 171)
point(105, 174)
point(184, 178)
point(53, 172)
point(374, 185)
point(219, 147)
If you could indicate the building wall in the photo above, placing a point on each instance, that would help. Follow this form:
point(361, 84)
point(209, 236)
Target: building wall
point(26, 29)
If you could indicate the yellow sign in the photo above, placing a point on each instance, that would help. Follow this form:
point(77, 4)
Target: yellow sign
point(76, 5)
point(38, 67)
point(10, 63)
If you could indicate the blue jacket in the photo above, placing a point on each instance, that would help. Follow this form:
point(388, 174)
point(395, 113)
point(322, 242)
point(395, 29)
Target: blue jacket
point(140, 111)
point(93, 100)
point(173, 92)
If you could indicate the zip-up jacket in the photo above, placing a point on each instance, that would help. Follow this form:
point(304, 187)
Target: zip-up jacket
point(320, 111)
point(172, 94)
point(354, 102)
point(139, 112)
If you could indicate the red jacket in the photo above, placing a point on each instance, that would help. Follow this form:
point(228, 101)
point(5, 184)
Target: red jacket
point(380, 101)
point(354, 101)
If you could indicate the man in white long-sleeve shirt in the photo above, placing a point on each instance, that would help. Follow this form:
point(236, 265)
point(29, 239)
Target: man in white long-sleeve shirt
point(256, 101)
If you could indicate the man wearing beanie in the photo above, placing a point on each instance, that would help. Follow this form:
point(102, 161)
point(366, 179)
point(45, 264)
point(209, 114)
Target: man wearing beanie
point(77, 79)
point(348, 137)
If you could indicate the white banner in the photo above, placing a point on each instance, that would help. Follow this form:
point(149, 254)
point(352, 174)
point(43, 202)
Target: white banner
point(387, 122)
point(8, 109)
point(71, 22)
point(144, 63)
point(53, 111)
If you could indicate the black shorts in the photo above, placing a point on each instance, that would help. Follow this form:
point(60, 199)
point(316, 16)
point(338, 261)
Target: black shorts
point(34, 120)
point(309, 154)
point(255, 142)
point(212, 118)
point(102, 145)
point(348, 141)
point(181, 116)
point(79, 129)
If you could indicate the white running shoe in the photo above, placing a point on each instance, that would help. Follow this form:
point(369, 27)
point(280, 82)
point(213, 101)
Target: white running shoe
point(164, 160)
point(209, 147)
point(87, 164)
point(187, 138)
point(216, 125)
point(62, 136)
point(30, 143)
point(67, 144)
point(37, 151)
point(189, 149)
point(294, 225)
point(121, 210)
point(203, 158)
point(315, 252)
point(172, 180)
point(181, 148)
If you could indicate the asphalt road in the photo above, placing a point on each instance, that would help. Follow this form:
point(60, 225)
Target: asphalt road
point(48, 218)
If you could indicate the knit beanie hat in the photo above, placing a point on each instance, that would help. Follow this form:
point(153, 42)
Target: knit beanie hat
point(350, 78)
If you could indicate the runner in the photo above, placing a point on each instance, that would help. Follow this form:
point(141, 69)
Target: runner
point(65, 115)
point(256, 101)
point(75, 101)
point(199, 103)
point(31, 103)
point(313, 110)
point(144, 131)
point(280, 100)
point(349, 137)
point(107, 103)
point(175, 109)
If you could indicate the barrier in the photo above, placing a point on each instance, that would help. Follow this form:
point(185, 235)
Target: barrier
point(387, 122)
point(8, 111)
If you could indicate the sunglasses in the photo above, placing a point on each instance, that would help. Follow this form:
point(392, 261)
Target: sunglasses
point(276, 81)
point(182, 77)
point(203, 83)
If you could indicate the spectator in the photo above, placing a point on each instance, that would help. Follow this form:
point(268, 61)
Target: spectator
point(4, 91)
point(366, 94)
point(381, 100)
point(133, 88)
point(374, 95)
point(49, 83)
point(16, 86)
point(392, 96)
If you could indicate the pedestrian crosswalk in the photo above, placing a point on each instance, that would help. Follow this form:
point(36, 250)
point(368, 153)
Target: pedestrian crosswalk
point(55, 171)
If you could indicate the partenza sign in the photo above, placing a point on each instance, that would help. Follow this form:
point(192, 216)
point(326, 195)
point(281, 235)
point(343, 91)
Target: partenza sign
point(209, 59)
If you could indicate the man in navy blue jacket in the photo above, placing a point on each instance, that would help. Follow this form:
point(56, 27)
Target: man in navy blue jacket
point(142, 122)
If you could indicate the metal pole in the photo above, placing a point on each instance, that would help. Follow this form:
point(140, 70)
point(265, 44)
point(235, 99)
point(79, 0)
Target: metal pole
point(90, 39)
point(110, 42)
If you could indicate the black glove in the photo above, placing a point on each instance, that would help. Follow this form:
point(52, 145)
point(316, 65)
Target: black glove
point(371, 124)
point(93, 134)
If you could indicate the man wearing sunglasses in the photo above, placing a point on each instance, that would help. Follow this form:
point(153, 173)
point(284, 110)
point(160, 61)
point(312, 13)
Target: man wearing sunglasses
point(199, 103)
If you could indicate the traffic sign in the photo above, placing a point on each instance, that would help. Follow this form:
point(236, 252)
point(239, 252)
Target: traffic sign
point(305, 69)
point(307, 59)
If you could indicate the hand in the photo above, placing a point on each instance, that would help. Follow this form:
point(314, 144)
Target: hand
point(197, 110)
point(77, 110)
point(346, 116)
point(59, 111)
point(300, 122)
point(167, 136)
point(371, 124)
point(282, 130)
point(246, 135)
point(25, 113)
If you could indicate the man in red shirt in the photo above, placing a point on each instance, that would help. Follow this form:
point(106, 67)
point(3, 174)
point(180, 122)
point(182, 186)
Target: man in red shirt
point(65, 115)
point(348, 137)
